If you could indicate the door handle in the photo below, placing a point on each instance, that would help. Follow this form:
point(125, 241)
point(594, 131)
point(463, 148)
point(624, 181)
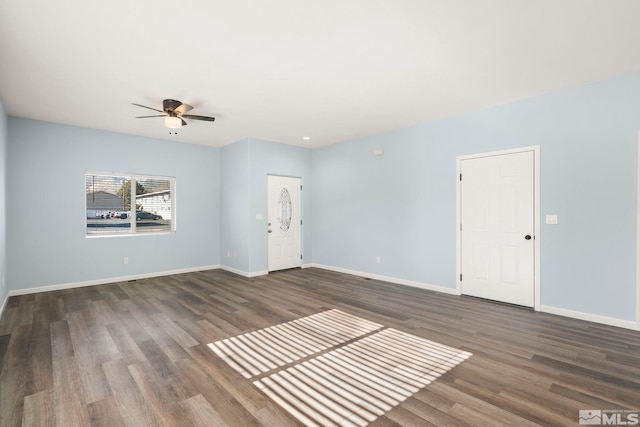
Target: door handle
point(527, 237)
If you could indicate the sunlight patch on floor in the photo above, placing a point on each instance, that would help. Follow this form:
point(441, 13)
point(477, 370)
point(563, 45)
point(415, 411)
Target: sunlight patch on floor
point(357, 383)
point(348, 385)
point(260, 351)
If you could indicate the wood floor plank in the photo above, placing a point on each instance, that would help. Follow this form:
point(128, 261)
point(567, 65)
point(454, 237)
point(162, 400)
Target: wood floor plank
point(94, 382)
point(136, 354)
point(172, 329)
point(4, 347)
point(432, 415)
point(7, 323)
point(232, 411)
point(132, 405)
point(40, 358)
point(104, 347)
point(38, 410)
point(509, 408)
point(219, 323)
point(69, 398)
point(384, 422)
point(105, 413)
point(406, 418)
point(585, 400)
point(55, 309)
point(127, 347)
point(273, 415)
point(146, 328)
point(15, 377)
point(158, 395)
point(201, 413)
point(476, 418)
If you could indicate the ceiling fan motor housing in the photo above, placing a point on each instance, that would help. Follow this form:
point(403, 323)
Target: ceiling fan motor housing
point(169, 105)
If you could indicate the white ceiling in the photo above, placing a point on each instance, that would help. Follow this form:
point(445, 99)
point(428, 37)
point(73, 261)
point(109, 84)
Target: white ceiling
point(283, 69)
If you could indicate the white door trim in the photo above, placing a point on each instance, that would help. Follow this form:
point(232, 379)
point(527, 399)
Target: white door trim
point(536, 214)
point(638, 237)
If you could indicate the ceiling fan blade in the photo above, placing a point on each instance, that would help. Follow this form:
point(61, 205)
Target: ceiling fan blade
point(194, 117)
point(144, 117)
point(144, 106)
point(183, 122)
point(183, 108)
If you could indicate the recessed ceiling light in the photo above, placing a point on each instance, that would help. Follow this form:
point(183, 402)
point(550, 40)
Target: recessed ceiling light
point(306, 138)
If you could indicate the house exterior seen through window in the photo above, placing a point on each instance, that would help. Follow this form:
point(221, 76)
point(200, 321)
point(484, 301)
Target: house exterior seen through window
point(119, 204)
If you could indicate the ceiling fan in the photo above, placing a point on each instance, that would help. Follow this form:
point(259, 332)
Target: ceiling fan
point(173, 112)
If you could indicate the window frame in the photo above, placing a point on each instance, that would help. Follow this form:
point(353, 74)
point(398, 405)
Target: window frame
point(134, 178)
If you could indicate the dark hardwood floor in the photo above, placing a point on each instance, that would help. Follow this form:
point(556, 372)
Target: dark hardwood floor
point(137, 354)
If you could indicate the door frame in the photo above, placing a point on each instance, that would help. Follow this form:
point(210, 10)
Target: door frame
point(638, 235)
point(300, 238)
point(536, 214)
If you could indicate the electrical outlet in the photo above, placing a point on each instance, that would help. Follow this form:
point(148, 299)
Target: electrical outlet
point(125, 261)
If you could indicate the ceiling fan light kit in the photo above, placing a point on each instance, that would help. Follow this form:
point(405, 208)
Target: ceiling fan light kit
point(173, 122)
point(173, 112)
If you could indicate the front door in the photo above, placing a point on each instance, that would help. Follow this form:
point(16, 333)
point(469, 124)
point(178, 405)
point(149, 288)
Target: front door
point(284, 222)
point(497, 227)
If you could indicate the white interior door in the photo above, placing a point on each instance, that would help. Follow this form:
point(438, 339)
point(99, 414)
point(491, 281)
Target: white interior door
point(497, 233)
point(284, 222)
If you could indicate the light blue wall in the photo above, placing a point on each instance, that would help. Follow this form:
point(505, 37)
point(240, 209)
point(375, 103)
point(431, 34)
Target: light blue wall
point(268, 158)
point(244, 170)
point(234, 202)
point(46, 205)
point(402, 207)
point(4, 290)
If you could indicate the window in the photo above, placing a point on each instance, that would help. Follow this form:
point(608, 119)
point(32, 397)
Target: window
point(110, 210)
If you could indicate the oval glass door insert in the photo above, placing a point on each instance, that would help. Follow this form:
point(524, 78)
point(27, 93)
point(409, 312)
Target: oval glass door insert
point(284, 210)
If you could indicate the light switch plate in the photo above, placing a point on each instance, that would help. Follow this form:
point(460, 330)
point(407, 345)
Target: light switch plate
point(551, 219)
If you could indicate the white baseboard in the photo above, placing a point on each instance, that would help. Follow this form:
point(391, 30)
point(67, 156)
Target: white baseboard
point(436, 288)
point(254, 273)
point(611, 321)
point(242, 272)
point(108, 280)
point(627, 324)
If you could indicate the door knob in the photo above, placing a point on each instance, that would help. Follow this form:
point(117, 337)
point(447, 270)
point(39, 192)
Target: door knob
point(527, 237)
